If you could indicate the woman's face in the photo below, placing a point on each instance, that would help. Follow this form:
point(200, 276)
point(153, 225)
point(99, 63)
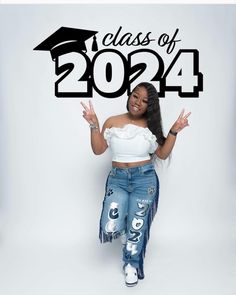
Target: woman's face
point(138, 102)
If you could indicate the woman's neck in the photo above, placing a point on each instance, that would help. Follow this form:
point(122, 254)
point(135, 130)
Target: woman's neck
point(134, 119)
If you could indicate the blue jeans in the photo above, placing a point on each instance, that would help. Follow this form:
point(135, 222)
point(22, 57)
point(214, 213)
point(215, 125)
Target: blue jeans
point(129, 206)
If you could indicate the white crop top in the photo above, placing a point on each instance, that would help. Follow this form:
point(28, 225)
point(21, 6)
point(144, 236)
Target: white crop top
point(130, 143)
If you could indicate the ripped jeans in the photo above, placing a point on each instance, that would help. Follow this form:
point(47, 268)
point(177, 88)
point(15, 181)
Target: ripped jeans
point(129, 206)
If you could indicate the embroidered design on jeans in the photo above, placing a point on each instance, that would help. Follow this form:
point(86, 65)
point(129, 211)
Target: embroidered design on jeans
point(137, 224)
point(143, 209)
point(113, 214)
point(151, 190)
point(144, 201)
point(109, 192)
point(132, 248)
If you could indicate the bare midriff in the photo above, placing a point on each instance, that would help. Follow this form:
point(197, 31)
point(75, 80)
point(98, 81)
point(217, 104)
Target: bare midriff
point(128, 165)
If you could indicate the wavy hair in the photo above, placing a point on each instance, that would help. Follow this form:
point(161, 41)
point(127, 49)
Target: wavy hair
point(153, 113)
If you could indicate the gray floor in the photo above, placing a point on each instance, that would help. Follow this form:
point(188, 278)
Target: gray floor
point(174, 266)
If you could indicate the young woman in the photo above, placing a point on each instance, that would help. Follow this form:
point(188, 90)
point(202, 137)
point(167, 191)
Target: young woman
point(132, 186)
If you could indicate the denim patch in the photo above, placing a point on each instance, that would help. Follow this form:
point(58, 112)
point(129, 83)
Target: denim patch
point(113, 215)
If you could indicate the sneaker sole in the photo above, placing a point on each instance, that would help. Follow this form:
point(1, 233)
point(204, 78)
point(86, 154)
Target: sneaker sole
point(131, 284)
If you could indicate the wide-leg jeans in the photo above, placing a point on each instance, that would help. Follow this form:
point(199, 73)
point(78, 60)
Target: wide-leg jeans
point(129, 206)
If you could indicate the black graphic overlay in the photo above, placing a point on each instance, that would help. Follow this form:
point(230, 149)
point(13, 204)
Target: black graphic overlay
point(110, 73)
point(66, 40)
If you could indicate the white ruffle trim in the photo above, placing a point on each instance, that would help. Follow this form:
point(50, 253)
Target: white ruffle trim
point(130, 131)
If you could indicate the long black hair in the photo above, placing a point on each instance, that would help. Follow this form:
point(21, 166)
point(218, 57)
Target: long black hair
point(153, 113)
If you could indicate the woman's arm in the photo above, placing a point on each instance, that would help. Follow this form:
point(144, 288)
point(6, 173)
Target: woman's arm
point(164, 151)
point(98, 143)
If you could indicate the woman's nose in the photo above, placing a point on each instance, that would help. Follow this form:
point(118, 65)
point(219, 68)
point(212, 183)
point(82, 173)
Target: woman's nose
point(138, 101)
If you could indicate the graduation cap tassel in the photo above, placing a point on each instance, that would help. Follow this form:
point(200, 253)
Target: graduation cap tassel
point(94, 45)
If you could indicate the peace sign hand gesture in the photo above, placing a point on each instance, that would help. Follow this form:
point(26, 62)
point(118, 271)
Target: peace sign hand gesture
point(89, 114)
point(181, 122)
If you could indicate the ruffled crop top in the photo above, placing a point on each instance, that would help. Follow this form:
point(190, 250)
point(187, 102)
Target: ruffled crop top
point(130, 143)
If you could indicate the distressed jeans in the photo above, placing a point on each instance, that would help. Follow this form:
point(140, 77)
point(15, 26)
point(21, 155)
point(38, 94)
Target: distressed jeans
point(129, 206)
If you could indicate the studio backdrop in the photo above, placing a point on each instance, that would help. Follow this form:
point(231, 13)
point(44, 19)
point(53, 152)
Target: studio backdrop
point(55, 56)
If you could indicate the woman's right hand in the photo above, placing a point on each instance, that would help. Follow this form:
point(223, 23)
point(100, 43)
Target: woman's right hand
point(98, 142)
point(89, 114)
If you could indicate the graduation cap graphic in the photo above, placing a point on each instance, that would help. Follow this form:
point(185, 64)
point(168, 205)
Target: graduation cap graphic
point(66, 40)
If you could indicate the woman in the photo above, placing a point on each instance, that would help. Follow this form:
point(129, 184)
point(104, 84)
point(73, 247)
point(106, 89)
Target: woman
point(132, 187)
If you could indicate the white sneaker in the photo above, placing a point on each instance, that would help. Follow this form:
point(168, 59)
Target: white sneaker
point(131, 276)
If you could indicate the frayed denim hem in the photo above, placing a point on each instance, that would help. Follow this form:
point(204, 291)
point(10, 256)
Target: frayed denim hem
point(151, 216)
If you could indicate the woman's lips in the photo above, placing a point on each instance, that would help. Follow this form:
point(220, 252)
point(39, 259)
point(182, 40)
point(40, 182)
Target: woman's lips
point(136, 109)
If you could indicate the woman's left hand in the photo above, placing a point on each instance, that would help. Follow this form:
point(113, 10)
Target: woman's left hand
point(181, 122)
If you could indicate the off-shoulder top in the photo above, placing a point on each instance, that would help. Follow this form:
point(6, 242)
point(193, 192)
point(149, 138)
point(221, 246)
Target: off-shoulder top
point(130, 143)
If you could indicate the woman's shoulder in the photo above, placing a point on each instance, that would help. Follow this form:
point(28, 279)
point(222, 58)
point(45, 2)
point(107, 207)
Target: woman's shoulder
point(115, 121)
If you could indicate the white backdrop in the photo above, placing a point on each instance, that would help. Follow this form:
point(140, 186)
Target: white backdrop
point(52, 185)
